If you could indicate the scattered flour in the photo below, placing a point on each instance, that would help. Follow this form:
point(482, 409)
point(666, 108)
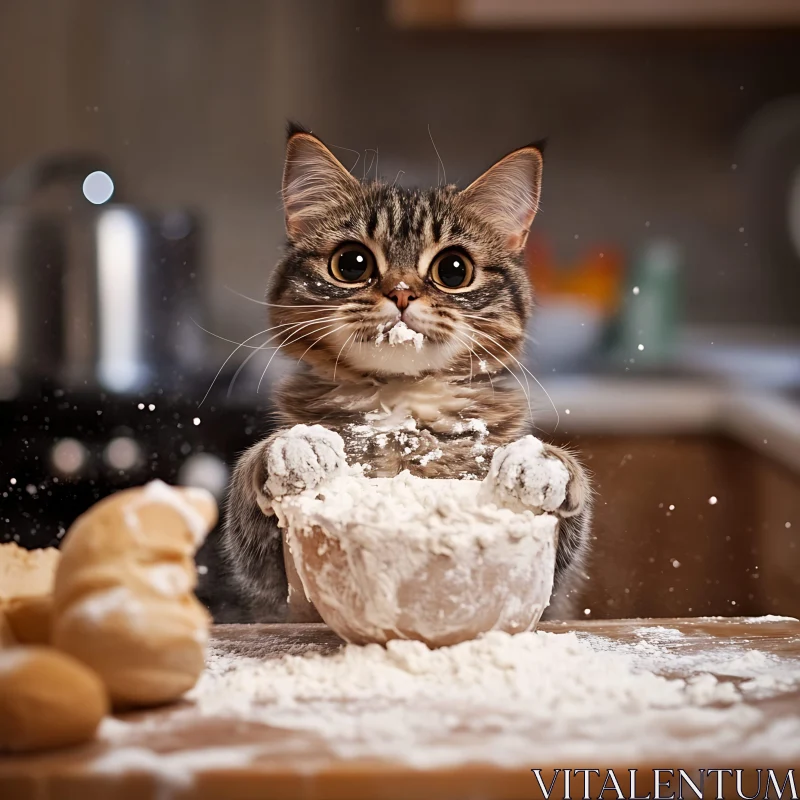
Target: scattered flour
point(499, 699)
point(668, 651)
point(658, 633)
point(504, 700)
point(399, 333)
point(176, 769)
point(384, 428)
point(473, 425)
point(431, 455)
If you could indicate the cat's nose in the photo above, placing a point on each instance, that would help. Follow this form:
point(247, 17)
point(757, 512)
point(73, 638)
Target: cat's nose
point(401, 297)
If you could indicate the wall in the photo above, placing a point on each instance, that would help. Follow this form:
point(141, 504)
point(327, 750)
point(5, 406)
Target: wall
point(188, 98)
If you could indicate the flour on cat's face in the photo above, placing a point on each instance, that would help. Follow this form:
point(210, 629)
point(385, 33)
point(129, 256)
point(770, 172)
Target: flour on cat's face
point(363, 257)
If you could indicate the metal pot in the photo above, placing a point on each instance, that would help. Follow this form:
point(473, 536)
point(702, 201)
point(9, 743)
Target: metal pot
point(99, 298)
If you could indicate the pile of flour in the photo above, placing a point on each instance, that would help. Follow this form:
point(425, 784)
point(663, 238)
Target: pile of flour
point(513, 700)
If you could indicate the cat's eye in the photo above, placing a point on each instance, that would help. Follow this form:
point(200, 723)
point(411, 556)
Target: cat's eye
point(352, 263)
point(452, 269)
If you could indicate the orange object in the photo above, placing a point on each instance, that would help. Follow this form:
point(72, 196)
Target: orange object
point(596, 277)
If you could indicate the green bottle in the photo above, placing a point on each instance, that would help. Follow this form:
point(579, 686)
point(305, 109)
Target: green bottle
point(651, 307)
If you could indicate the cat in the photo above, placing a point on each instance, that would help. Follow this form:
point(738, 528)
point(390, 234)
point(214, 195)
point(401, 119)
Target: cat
point(403, 309)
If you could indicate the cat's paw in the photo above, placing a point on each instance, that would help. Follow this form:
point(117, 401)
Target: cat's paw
point(302, 458)
point(523, 474)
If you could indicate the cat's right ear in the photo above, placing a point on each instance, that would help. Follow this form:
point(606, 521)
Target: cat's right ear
point(507, 194)
point(313, 181)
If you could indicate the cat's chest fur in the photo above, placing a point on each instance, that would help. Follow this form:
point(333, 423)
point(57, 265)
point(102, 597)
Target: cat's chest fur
point(431, 427)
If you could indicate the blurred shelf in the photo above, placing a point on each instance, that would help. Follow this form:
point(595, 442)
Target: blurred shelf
point(508, 14)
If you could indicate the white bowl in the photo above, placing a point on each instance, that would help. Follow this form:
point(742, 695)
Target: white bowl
point(415, 558)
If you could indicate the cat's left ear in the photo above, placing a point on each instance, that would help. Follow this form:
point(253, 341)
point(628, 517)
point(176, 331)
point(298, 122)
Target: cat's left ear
point(507, 194)
point(314, 181)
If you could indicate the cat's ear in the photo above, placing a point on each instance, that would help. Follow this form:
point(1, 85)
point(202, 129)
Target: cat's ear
point(313, 181)
point(507, 194)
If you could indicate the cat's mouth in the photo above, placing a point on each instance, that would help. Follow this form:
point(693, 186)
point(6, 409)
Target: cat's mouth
point(416, 327)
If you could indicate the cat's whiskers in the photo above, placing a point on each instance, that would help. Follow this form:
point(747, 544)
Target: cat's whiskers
point(480, 361)
point(321, 338)
point(439, 160)
point(525, 370)
point(471, 354)
point(510, 372)
point(289, 340)
point(285, 326)
point(262, 346)
point(273, 305)
point(243, 343)
point(339, 355)
point(243, 365)
point(494, 341)
point(480, 317)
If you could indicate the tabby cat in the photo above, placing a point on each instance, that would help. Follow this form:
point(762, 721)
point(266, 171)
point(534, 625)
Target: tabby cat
point(368, 268)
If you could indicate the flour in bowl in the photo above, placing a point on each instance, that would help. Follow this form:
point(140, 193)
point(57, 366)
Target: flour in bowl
point(416, 558)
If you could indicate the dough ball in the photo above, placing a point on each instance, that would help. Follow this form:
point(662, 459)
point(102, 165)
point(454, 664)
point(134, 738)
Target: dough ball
point(26, 586)
point(6, 634)
point(29, 618)
point(124, 592)
point(47, 699)
point(147, 652)
point(26, 573)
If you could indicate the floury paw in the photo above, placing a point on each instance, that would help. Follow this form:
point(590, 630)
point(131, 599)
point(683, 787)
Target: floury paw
point(525, 474)
point(302, 458)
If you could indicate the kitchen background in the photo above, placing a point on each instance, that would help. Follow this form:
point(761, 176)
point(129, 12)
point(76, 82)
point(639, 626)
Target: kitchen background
point(666, 254)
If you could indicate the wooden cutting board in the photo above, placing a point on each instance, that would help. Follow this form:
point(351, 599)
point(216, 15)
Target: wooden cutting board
point(295, 764)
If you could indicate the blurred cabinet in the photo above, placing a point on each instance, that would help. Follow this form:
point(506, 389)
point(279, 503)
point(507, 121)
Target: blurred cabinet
point(593, 13)
point(688, 526)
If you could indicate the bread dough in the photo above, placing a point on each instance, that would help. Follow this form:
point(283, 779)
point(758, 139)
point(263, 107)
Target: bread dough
point(29, 618)
point(124, 599)
point(26, 573)
point(47, 699)
point(6, 634)
point(26, 587)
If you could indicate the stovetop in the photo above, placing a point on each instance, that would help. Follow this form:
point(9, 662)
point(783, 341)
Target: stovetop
point(63, 450)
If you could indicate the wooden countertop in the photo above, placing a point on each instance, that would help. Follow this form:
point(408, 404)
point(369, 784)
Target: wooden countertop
point(290, 763)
